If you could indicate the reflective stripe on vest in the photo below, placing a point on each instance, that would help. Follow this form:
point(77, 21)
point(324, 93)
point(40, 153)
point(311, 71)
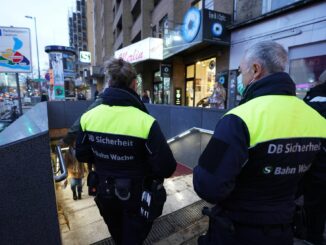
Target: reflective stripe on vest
point(120, 120)
point(280, 117)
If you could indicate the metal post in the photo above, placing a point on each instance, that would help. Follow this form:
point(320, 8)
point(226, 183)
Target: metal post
point(38, 57)
point(19, 96)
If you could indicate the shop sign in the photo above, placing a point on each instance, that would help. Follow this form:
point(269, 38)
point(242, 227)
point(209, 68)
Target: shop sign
point(15, 50)
point(147, 49)
point(178, 96)
point(85, 57)
point(198, 26)
point(166, 70)
point(215, 24)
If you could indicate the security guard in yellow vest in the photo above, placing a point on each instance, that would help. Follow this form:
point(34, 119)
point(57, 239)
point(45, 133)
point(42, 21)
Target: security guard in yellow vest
point(259, 151)
point(129, 152)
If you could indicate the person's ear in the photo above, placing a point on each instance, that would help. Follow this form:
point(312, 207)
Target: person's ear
point(257, 71)
point(133, 85)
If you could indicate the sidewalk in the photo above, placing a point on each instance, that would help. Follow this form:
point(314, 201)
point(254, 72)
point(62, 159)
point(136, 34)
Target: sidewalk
point(81, 223)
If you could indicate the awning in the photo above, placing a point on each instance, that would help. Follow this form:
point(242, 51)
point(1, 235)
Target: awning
point(147, 49)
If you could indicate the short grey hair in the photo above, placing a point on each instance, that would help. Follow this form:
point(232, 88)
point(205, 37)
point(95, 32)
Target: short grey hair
point(269, 54)
point(119, 73)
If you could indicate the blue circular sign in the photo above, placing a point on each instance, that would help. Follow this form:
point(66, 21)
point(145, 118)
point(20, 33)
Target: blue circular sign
point(221, 80)
point(191, 24)
point(217, 29)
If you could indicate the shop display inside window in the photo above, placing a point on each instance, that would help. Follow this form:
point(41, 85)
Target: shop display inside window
point(305, 73)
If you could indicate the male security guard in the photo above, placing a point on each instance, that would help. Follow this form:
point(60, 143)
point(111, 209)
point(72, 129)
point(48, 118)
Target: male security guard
point(128, 150)
point(259, 151)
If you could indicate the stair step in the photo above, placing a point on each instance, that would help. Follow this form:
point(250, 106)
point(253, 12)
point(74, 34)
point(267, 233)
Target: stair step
point(166, 228)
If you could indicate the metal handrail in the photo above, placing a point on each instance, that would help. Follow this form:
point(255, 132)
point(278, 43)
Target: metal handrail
point(63, 169)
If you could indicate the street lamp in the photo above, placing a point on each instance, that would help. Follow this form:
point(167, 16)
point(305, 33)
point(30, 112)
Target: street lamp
point(38, 58)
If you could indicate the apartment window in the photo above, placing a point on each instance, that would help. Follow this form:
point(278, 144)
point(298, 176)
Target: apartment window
point(78, 5)
point(154, 31)
point(136, 38)
point(209, 4)
point(119, 26)
point(156, 2)
point(270, 5)
point(163, 26)
point(136, 11)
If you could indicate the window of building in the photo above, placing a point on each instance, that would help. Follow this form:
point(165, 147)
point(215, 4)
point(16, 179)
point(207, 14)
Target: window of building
point(209, 4)
point(156, 2)
point(119, 26)
point(307, 63)
point(270, 5)
point(78, 5)
point(305, 72)
point(135, 12)
point(136, 38)
point(200, 80)
point(154, 31)
point(163, 26)
point(161, 89)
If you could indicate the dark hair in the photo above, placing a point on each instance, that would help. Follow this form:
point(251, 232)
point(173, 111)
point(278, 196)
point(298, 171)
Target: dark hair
point(119, 73)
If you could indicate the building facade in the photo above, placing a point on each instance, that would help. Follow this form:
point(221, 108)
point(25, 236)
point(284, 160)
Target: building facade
point(121, 25)
point(300, 26)
point(201, 43)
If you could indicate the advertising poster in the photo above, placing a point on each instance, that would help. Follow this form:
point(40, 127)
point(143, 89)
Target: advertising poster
point(56, 65)
point(15, 50)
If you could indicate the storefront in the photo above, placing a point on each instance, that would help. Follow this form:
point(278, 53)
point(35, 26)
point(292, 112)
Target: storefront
point(199, 54)
point(301, 32)
point(146, 55)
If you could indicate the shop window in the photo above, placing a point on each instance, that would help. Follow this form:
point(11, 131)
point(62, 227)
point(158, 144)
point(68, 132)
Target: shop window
point(161, 89)
point(305, 72)
point(200, 81)
point(204, 81)
point(190, 71)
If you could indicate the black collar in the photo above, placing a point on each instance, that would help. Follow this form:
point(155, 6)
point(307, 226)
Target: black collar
point(279, 83)
point(122, 97)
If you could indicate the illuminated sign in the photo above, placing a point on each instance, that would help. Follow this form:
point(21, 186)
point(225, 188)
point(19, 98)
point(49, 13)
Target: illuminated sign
point(178, 96)
point(85, 56)
point(147, 49)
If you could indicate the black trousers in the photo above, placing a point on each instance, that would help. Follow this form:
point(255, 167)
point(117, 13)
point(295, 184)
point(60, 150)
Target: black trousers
point(246, 235)
point(123, 219)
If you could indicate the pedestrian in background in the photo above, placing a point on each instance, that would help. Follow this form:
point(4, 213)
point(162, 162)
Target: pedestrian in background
point(76, 171)
point(258, 152)
point(130, 155)
point(145, 98)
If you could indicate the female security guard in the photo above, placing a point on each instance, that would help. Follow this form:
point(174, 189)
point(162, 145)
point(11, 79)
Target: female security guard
point(127, 148)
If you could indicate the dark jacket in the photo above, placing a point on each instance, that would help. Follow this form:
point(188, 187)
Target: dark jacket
point(259, 151)
point(316, 98)
point(122, 139)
